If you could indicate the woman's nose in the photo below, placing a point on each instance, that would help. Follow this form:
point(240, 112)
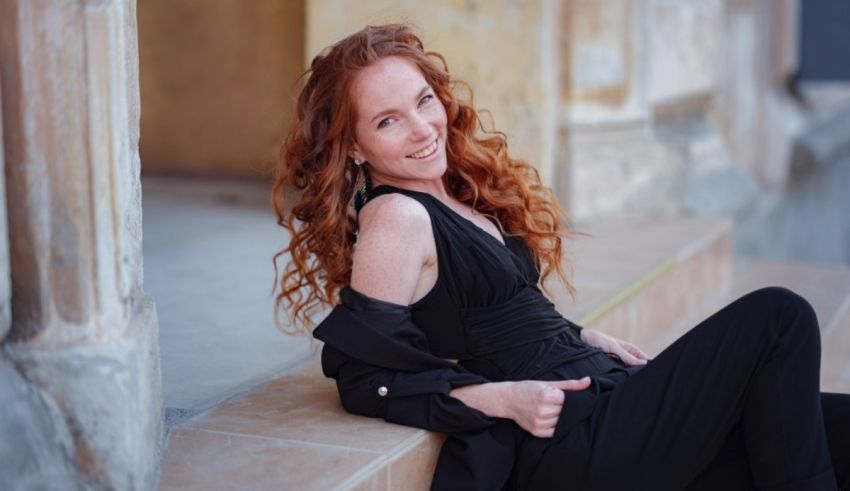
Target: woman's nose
point(421, 128)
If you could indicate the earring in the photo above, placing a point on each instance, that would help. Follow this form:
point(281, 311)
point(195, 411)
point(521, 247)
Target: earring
point(357, 162)
point(361, 193)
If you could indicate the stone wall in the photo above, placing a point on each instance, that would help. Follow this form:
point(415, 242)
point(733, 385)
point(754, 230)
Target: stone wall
point(674, 106)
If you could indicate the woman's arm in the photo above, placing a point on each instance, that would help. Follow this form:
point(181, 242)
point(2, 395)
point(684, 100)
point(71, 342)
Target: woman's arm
point(533, 404)
point(420, 399)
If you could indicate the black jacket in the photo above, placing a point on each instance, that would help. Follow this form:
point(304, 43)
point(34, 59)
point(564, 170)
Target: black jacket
point(383, 369)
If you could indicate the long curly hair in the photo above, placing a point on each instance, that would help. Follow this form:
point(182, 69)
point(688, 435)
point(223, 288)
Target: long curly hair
point(315, 173)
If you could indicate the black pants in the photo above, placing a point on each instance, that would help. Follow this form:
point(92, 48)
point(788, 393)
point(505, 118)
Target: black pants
point(733, 404)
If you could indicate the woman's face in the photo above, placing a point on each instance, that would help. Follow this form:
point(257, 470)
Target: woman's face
point(401, 125)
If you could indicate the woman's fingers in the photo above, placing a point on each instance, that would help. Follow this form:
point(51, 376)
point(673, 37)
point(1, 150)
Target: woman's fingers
point(571, 384)
point(547, 433)
point(539, 410)
point(634, 351)
point(628, 358)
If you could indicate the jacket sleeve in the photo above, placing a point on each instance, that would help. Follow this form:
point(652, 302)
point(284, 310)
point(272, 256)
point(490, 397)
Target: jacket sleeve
point(419, 399)
point(383, 368)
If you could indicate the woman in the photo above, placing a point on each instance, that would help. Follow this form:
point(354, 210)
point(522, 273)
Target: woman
point(435, 240)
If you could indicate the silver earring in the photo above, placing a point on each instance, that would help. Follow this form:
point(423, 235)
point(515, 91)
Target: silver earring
point(357, 161)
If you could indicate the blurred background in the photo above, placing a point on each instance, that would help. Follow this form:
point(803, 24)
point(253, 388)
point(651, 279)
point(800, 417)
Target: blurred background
point(628, 108)
point(642, 115)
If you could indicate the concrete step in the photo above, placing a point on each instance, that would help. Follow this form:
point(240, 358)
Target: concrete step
point(633, 277)
point(826, 287)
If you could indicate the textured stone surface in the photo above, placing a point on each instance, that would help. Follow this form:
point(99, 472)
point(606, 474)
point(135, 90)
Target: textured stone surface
point(109, 394)
point(5, 286)
point(36, 448)
point(685, 39)
point(675, 106)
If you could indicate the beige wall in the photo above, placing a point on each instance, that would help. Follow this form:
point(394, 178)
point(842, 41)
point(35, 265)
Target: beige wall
point(506, 50)
point(217, 83)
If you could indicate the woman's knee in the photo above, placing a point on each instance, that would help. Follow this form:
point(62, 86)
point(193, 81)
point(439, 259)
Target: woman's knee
point(792, 308)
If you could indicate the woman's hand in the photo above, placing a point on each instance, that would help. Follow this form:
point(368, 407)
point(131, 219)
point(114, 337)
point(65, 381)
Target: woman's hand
point(535, 405)
point(630, 354)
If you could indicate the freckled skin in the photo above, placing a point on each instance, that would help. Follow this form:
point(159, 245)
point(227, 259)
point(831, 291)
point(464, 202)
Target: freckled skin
point(395, 258)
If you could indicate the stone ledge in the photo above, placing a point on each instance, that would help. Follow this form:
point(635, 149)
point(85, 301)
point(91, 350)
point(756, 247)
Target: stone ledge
point(289, 430)
point(827, 288)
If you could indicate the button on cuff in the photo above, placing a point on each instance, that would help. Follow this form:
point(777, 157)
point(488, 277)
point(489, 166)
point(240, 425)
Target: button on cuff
point(382, 391)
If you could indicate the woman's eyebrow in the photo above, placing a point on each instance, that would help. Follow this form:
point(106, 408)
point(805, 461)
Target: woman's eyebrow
point(390, 111)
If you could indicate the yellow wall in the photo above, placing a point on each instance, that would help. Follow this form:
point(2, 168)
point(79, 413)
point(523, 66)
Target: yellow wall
point(216, 81)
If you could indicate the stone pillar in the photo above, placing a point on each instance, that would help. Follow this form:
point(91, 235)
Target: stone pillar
point(506, 50)
point(5, 285)
point(638, 80)
point(83, 331)
point(605, 136)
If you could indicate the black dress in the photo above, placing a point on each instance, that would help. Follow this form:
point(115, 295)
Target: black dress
point(487, 311)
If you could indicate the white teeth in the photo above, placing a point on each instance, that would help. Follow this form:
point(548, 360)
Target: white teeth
point(425, 152)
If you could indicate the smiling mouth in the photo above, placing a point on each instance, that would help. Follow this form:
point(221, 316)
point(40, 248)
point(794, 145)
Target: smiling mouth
point(425, 152)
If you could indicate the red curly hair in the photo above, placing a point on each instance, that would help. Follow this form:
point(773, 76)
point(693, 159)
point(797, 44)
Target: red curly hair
point(314, 166)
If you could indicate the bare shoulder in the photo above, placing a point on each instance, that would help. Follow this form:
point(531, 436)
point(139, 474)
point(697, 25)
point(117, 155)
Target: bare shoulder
point(395, 209)
point(395, 244)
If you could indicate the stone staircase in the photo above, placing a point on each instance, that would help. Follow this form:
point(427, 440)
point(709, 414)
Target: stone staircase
point(647, 280)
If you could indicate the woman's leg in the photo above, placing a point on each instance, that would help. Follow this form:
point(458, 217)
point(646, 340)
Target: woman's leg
point(730, 470)
point(754, 364)
point(836, 418)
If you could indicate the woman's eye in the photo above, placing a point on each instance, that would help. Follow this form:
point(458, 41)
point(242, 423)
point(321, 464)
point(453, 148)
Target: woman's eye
point(385, 122)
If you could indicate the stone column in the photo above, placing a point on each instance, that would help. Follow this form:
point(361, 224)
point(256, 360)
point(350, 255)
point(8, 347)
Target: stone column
point(638, 81)
point(83, 331)
point(605, 131)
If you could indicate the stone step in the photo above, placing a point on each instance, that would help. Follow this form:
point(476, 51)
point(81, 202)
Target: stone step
point(636, 276)
point(835, 356)
point(633, 277)
point(827, 288)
